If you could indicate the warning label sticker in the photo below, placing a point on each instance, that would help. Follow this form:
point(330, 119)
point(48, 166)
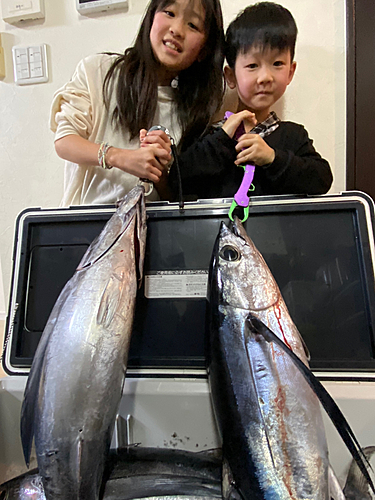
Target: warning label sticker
point(176, 284)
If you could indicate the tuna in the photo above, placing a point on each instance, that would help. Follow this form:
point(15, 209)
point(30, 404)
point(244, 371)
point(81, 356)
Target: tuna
point(140, 473)
point(77, 376)
point(274, 443)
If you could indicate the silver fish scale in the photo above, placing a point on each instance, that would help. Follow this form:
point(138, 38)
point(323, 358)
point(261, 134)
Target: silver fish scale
point(273, 413)
point(31, 488)
point(84, 360)
point(136, 472)
point(292, 420)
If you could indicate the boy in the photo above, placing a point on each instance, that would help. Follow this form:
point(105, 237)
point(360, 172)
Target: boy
point(260, 46)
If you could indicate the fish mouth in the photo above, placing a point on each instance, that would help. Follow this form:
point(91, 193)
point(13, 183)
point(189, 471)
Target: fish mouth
point(236, 228)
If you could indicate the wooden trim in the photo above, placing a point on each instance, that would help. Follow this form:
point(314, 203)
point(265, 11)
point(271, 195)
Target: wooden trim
point(350, 94)
point(361, 96)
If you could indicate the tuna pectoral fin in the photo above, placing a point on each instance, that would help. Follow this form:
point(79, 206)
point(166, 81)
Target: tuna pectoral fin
point(328, 403)
point(111, 298)
point(30, 398)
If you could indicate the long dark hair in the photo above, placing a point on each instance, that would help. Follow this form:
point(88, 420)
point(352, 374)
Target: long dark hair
point(133, 78)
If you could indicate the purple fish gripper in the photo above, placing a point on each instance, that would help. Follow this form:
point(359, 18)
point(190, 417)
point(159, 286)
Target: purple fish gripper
point(241, 197)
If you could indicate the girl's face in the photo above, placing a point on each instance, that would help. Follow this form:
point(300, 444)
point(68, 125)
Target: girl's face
point(177, 37)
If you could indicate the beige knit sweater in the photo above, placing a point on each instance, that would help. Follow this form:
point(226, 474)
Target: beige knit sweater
point(78, 108)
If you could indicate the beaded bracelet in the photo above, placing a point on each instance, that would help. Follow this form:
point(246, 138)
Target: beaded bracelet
point(103, 148)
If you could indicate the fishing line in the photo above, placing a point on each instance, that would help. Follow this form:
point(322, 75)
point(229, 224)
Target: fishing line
point(176, 162)
point(175, 157)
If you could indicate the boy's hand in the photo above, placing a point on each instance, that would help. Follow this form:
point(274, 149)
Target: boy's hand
point(253, 149)
point(233, 122)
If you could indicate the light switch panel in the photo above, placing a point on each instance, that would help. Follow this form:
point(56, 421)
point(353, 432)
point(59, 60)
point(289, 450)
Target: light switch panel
point(30, 64)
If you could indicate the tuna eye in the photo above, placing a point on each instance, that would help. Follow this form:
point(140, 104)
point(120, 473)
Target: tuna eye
point(229, 253)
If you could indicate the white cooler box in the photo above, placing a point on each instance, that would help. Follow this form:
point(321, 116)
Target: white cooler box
point(321, 252)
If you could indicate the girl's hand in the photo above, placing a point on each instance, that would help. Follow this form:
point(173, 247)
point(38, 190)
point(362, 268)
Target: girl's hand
point(155, 137)
point(253, 149)
point(233, 122)
point(148, 162)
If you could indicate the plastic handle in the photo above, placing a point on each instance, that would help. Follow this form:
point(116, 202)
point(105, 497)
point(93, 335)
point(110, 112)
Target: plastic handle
point(241, 197)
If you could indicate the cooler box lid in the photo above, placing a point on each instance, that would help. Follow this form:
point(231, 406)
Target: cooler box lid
point(319, 248)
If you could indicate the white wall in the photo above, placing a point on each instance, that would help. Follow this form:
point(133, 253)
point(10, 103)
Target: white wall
point(31, 174)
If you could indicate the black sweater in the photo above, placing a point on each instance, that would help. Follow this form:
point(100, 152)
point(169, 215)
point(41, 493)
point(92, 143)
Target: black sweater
point(208, 169)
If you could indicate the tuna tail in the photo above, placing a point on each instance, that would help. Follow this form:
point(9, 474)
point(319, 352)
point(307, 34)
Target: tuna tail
point(328, 403)
point(356, 487)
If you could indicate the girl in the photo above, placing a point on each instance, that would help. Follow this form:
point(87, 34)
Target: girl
point(172, 76)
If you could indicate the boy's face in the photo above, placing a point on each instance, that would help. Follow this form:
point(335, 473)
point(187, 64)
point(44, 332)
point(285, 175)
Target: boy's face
point(260, 76)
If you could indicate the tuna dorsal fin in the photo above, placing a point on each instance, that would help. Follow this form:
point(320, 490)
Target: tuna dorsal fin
point(328, 403)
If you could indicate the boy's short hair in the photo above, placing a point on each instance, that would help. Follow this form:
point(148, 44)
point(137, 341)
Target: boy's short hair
point(264, 24)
